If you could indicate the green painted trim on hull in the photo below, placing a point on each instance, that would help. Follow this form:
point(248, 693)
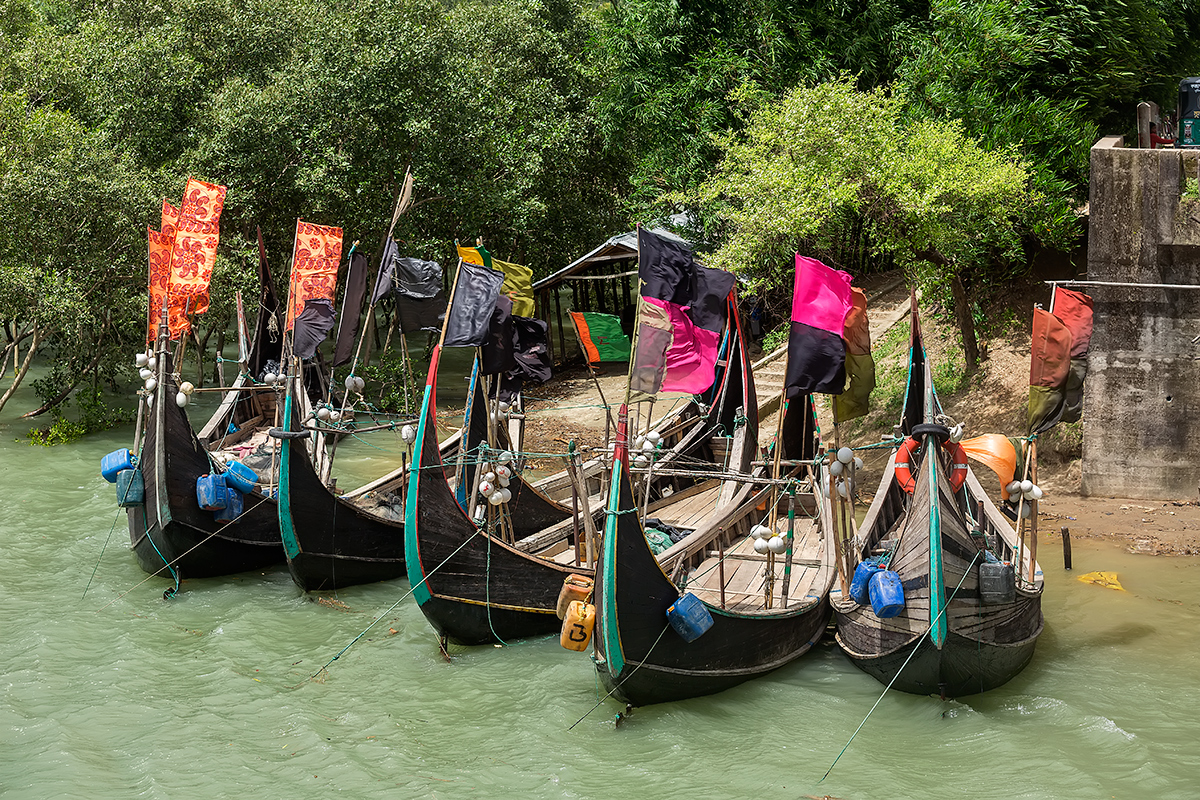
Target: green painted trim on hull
point(937, 585)
point(412, 554)
point(613, 654)
point(287, 528)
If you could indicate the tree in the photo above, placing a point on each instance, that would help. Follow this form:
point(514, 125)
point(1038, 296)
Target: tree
point(933, 198)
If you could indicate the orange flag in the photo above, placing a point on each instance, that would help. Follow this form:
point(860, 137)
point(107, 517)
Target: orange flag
point(195, 250)
point(170, 219)
point(317, 253)
point(159, 261)
point(994, 451)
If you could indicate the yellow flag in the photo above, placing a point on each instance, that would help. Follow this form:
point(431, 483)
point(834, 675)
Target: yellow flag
point(518, 284)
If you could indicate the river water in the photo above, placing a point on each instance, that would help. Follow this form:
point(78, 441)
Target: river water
point(118, 693)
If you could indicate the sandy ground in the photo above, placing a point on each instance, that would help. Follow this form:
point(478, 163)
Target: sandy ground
point(569, 407)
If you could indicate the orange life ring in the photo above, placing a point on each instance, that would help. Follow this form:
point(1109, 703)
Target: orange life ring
point(958, 465)
point(904, 458)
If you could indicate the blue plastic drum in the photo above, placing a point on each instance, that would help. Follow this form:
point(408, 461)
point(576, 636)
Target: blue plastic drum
point(887, 594)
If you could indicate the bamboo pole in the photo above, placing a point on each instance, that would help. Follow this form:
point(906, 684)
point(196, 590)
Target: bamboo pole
point(791, 535)
point(1033, 514)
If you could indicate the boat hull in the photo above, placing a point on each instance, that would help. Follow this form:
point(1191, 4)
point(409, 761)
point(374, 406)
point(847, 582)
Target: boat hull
point(171, 526)
point(961, 667)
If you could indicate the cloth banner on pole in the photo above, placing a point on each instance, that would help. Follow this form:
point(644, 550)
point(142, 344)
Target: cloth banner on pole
point(821, 300)
point(475, 291)
point(318, 251)
point(194, 252)
point(860, 366)
point(600, 336)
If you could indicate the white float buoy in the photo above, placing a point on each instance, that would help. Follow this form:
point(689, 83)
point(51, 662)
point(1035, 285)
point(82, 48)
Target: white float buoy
point(491, 476)
point(269, 377)
point(151, 384)
point(760, 531)
point(504, 458)
point(776, 544)
point(335, 416)
point(1026, 511)
point(152, 363)
point(1037, 493)
point(858, 463)
point(836, 468)
point(323, 413)
point(1026, 486)
point(505, 406)
point(956, 433)
point(845, 455)
point(149, 401)
point(144, 373)
point(1014, 487)
point(505, 495)
point(647, 445)
point(486, 487)
point(654, 436)
point(187, 388)
point(495, 499)
point(141, 360)
point(181, 399)
point(408, 433)
point(761, 547)
point(842, 489)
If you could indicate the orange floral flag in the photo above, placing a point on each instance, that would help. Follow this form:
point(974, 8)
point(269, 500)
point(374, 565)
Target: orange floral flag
point(317, 253)
point(170, 219)
point(195, 251)
point(994, 451)
point(159, 261)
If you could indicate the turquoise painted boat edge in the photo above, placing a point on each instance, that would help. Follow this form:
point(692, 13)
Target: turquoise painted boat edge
point(937, 583)
point(613, 653)
point(460, 491)
point(287, 528)
point(412, 556)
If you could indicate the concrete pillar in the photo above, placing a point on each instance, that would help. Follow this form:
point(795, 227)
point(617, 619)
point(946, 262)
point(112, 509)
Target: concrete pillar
point(1142, 393)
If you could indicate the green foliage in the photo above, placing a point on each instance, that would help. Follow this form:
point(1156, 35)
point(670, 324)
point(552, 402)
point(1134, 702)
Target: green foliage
point(94, 415)
point(827, 155)
point(1048, 77)
point(670, 68)
point(389, 386)
point(301, 109)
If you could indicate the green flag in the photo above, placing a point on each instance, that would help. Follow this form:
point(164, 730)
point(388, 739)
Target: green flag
point(600, 336)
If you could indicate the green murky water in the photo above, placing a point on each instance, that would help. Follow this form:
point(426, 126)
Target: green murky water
point(119, 693)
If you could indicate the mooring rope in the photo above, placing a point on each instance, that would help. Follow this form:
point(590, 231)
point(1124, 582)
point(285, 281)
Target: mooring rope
point(916, 647)
point(627, 677)
point(412, 589)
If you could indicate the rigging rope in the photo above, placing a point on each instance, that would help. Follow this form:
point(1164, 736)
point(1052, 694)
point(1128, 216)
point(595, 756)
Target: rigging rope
point(916, 647)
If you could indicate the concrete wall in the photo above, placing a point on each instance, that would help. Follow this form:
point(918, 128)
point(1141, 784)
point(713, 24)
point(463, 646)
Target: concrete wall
point(1142, 394)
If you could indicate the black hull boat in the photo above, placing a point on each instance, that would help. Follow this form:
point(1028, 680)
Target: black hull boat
point(476, 588)
point(767, 609)
point(170, 533)
point(473, 587)
point(956, 634)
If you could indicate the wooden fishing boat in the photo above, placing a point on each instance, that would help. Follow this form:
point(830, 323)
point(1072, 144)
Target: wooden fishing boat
point(766, 609)
point(336, 540)
point(955, 635)
point(477, 586)
point(170, 533)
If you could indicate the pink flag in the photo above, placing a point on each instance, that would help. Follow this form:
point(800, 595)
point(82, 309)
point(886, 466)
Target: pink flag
point(820, 296)
point(692, 353)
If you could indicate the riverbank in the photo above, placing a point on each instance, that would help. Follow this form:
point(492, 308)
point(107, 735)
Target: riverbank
point(569, 407)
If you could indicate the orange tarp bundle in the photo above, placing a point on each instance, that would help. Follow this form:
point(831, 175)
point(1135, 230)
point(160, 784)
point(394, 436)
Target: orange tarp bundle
point(994, 451)
point(318, 251)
